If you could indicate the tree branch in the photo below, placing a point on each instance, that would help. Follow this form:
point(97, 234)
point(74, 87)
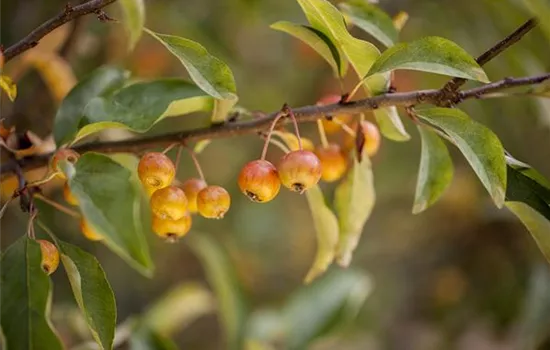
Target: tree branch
point(67, 15)
point(452, 86)
point(303, 114)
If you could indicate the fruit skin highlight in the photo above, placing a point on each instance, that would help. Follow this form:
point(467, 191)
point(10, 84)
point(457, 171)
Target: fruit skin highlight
point(169, 203)
point(334, 162)
point(213, 202)
point(172, 230)
point(259, 181)
point(299, 170)
point(50, 256)
point(88, 231)
point(156, 170)
point(191, 188)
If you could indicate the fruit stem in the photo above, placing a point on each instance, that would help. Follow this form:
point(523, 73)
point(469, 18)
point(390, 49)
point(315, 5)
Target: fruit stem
point(279, 144)
point(322, 134)
point(167, 149)
point(288, 111)
point(57, 206)
point(268, 137)
point(344, 126)
point(40, 182)
point(5, 206)
point(196, 162)
point(30, 225)
point(178, 157)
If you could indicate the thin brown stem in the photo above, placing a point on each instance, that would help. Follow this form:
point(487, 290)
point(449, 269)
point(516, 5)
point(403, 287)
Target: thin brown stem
point(178, 158)
point(278, 116)
point(57, 206)
point(196, 162)
point(169, 148)
point(288, 110)
point(322, 133)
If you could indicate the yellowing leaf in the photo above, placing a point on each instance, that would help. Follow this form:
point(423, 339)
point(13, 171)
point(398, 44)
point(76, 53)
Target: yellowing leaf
point(9, 87)
point(326, 227)
point(134, 19)
point(56, 73)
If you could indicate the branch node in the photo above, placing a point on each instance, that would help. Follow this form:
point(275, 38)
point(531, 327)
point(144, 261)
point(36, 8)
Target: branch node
point(103, 16)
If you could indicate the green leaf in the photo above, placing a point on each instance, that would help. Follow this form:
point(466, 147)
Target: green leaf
point(436, 170)
point(100, 82)
point(541, 10)
point(318, 308)
point(111, 203)
point(326, 228)
point(430, 54)
point(316, 40)
point(209, 73)
point(220, 275)
point(146, 339)
point(390, 124)
point(372, 20)
point(134, 19)
point(536, 223)
point(478, 144)
point(92, 292)
point(353, 200)
point(523, 188)
point(25, 299)
point(140, 106)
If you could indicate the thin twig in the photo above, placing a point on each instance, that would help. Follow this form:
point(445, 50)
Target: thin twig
point(322, 133)
point(278, 116)
point(57, 206)
point(67, 15)
point(303, 114)
point(452, 86)
point(196, 162)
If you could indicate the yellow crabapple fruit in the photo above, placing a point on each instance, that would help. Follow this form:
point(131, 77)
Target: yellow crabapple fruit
point(213, 202)
point(259, 181)
point(191, 188)
point(299, 170)
point(156, 170)
point(169, 203)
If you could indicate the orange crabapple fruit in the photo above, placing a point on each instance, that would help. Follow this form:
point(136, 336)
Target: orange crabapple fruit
point(156, 170)
point(372, 138)
point(299, 170)
point(50, 256)
point(259, 181)
point(213, 202)
point(171, 230)
point(334, 162)
point(330, 126)
point(191, 187)
point(169, 203)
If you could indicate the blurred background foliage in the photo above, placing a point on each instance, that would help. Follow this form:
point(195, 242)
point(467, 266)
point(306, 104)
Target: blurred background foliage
point(463, 275)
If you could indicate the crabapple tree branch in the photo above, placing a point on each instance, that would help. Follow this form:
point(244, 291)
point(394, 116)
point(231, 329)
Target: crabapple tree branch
point(67, 15)
point(303, 114)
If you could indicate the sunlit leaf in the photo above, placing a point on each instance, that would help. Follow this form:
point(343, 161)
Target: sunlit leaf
point(371, 19)
point(140, 106)
point(134, 19)
point(201, 145)
point(316, 309)
point(326, 228)
point(390, 124)
point(536, 223)
point(92, 292)
point(316, 40)
point(8, 86)
point(221, 276)
point(25, 299)
point(435, 172)
point(209, 73)
point(55, 71)
point(353, 200)
point(111, 203)
point(479, 145)
point(430, 54)
point(69, 115)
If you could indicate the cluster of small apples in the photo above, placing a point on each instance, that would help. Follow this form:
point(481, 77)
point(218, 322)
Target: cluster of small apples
point(172, 204)
point(299, 170)
point(71, 156)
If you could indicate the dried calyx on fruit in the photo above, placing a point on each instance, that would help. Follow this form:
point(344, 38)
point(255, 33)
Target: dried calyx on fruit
point(156, 170)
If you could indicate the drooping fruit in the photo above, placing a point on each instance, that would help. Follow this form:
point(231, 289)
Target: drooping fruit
point(372, 138)
point(213, 202)
point(171, 230)
point(88, 231)
point(191, 188)
point(299, 170)
point(169, 203)
point(50, 256)
point(259, 181)
point(156, 170)
point(334, 162)
point(330, 126)
point(63, 154)
point(68, 195)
